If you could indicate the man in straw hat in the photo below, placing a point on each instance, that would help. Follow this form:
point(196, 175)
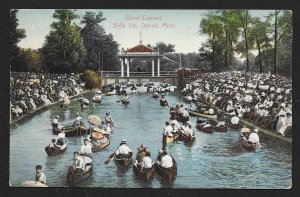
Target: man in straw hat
point(123, 150)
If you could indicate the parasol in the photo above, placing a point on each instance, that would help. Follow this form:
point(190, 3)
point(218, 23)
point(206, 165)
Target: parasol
point(245, 130)
point(93, 119)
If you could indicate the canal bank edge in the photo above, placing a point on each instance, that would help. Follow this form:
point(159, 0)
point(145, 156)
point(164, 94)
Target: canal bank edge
point(271, 136)
point(42, 107)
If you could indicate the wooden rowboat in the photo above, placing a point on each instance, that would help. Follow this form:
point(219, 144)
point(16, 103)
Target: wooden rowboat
point(168, 139)
point(155, 96)
point(96, 99)
point(233, 126)
point(99, 147)
point(222, 128)
point(145, 173)
point(167, 173)
point(204, 129)
point(193, 113)
point(52, 151)
point(71, 130)
point(123, 161)
point(248, 146)
point(74, 178)
point(32, 184)
point(125, 102)
point(185, 138)
point(163, 103)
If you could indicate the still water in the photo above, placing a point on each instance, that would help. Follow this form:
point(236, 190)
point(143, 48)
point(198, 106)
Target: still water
point(215, 160)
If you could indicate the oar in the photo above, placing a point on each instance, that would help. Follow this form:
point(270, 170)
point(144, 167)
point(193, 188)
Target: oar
point(110, 158)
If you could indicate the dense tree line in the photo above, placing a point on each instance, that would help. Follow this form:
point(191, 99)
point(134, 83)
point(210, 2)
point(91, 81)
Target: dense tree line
point(237, 32)
point(68, 47)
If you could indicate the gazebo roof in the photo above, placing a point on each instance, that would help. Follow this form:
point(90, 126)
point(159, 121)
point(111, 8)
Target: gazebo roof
point(140, 48)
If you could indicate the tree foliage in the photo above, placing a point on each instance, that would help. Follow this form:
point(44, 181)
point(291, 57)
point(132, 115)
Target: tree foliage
point(15, 36)
point(101, 48)
point(63, 51)
point(30, 60)
point(265, 43)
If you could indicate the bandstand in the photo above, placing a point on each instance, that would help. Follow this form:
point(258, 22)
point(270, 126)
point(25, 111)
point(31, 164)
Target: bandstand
point(142, 52)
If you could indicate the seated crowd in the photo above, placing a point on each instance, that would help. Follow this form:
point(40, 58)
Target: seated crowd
point(264, 99)
point(29, 91)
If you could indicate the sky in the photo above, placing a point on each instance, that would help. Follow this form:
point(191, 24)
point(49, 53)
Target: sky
point(177, 27)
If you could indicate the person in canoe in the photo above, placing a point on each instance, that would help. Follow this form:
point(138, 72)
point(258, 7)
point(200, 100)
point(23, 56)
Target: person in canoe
point(123, 150)
point(175, 126)
point(55, 121)
point(77, 163)
point(125, 98)
point(86, 149)
point(254, 138)
point(168, 130)
point(39, 175)
point(141, 153)
point(108, 119)
point(166, 160)
point(61, 137)
point(188, 130)
point(146, 161)
point(77, 120)
point(163, 100)
point(54, 144)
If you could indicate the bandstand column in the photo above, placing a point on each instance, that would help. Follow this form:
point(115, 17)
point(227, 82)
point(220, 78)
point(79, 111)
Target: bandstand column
point(122, 67)
point(158, 67)
point(152, 68)
point(128, 62)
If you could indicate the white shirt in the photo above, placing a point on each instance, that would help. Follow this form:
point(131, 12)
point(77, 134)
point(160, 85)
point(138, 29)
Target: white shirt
point(78, 163)
point(235, 120)
point(123, 149)
point(188, 131)
point(168, 131)
point(185, 113)
point(61, 135)
point(253, 137)
point(211, 111)
point(77, 120)
point(41, 177)
point(86, 149)
point(146, 163)
point(166, 161)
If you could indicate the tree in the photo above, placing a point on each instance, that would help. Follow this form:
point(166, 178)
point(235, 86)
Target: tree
point(15, 36)
point(164, 48)
point(30, 60)
point(258, 36)
point(101, 48)
point(63, 50)
point(212, 26)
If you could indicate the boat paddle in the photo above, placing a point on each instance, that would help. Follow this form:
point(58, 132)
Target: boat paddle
point(110, 158)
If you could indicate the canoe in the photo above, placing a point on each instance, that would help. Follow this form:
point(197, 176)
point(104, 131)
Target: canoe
point(51, 151)
point(125, 102)
point(233, 126)
point(85, 101)
point(110, 93)
point(167, 173)
point(222, 128)
point(204, 129)
point(246, 145)
point(96, 100)
point(123, 161)
point(167, 139)
point(164, 103)
point(185, 138)
point(75, 178)
point(144, 174)
point(32, 184)
point(71, 131)
point(99, 147)
point(155, 96)
point(193, 113)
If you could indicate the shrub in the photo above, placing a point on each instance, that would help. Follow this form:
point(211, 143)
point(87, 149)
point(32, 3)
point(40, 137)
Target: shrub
point(91, 79)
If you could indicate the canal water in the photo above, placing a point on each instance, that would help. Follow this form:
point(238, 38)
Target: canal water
point(215, 160)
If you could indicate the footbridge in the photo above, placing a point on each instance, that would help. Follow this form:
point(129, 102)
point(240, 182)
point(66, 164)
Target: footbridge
point(111, 77)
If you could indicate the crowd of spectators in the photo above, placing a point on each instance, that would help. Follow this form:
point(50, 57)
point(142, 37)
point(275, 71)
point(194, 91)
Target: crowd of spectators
point(29, 91)
point(263, 99)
